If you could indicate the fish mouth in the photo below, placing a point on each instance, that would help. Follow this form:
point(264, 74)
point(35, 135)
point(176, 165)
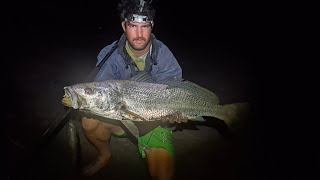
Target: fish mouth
point(66, 101)
point(70, 99)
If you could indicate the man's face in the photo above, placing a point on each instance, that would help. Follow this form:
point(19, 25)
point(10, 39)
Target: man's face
point(138, 34)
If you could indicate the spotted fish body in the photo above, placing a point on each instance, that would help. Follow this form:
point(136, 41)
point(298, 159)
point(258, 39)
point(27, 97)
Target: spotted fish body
point(153, 101)
point(145, 101)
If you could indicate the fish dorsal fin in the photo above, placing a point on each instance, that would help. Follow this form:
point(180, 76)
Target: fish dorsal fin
point(178, 83)
point(201, 90)
point(143, 77)
point(171, 82)
point(191, 88)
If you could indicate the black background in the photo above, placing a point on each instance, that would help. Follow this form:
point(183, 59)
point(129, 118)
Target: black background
point(217, 29)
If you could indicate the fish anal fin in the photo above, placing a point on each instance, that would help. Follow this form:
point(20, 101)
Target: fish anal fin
point(174, 117)
point(198, 118)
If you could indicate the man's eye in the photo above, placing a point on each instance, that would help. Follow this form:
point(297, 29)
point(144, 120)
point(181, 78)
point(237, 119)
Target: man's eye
point(88, 90)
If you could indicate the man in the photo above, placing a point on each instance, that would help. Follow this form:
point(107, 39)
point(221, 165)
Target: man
point(137, 50)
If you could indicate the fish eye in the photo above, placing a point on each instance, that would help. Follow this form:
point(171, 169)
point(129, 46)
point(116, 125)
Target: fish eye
point(88, 90)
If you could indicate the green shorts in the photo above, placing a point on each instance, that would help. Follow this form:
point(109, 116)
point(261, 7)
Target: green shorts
point(157, 138)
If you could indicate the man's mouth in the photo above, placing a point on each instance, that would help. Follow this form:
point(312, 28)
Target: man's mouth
point(139, 41)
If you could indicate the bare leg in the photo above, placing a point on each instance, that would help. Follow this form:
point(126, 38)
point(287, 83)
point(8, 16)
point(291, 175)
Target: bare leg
point(160, 164)
point(99, 136)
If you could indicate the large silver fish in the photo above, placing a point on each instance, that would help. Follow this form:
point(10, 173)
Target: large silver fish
point(140, 99)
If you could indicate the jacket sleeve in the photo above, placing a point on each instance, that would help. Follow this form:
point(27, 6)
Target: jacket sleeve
point(108, 70)
point(104, 52)
point(167, 67)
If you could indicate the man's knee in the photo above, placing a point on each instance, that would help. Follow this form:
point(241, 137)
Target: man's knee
point(160, 163)
point(90, 124)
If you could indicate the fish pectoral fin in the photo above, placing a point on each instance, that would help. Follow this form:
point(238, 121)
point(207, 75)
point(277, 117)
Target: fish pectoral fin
point(127, 112)
point(131, 127)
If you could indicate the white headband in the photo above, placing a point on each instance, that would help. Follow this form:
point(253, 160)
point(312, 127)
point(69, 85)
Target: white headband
point(139, 19)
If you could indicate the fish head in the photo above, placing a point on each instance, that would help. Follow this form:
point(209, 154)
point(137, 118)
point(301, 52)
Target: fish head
point(95, 97)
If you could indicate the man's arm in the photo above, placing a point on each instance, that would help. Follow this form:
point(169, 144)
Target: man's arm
point(167, 67)
point(107, 70)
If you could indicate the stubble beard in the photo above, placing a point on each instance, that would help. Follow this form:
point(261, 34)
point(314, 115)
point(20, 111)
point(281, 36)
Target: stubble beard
point(139, 47)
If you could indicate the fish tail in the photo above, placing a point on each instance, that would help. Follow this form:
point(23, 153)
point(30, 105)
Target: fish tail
point(235, 114)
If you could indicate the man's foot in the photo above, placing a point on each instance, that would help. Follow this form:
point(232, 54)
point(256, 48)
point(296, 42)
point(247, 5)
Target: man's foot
point(94, 167)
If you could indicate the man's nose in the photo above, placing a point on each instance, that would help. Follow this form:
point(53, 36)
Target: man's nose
point(139, 32)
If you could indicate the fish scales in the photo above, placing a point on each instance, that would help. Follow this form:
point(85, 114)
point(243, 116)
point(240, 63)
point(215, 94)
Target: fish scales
point(154, 101)
point(142, 101)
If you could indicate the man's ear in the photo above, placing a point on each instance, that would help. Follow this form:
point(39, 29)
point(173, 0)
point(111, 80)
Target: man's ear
point(123, 24)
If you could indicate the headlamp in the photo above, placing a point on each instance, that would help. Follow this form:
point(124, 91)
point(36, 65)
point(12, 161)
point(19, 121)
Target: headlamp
point(139, 19)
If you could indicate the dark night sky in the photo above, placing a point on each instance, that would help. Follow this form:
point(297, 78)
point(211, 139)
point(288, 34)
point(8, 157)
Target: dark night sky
point(228, 23)
point(229, 27)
